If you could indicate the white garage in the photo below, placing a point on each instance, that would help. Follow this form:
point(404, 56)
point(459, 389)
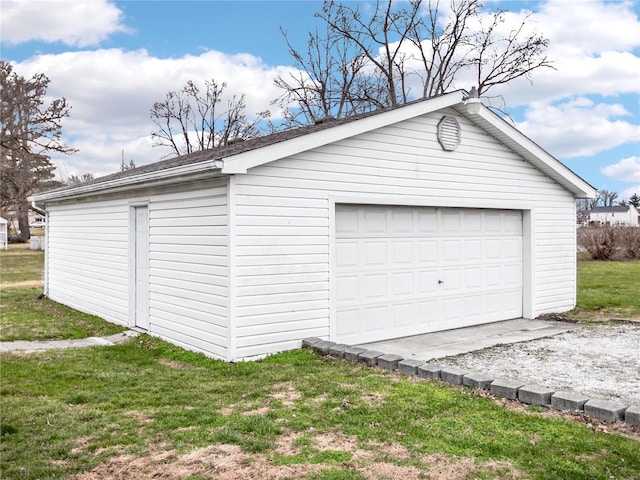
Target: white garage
point(407, 270)
point(425, 217)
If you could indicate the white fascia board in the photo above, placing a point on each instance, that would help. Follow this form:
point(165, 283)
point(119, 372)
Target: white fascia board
point(155, 178)
point(532, 152)
point(241, 162)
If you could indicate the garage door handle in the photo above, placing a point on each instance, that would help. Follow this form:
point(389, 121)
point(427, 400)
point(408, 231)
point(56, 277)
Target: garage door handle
point(440, 282)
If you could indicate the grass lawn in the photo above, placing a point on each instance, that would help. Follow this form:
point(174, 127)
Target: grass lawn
point(25, 317)
point(147, 409)
point(608, 290)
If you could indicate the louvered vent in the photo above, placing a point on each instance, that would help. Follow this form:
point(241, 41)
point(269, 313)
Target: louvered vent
point(449, 133)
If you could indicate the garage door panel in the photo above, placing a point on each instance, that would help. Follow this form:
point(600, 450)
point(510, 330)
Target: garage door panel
point(408, 270)
point(375, 253)
point(427, 251)
point(512, 248)
point(403, 315)
point(450, 249)
point(402, 283)
point(375, 286)
point(513, 223)
point(427, 282)
point(403, 253)
point(401, 221)
point(472, 278)
point(472, 222)
point(373, 221)
point(427, 221)
point(347, 323)
point(347, 289)
point(376, 318)
point(347, 254)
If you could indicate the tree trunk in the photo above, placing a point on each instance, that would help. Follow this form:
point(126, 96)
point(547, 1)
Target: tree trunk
point(23, 220)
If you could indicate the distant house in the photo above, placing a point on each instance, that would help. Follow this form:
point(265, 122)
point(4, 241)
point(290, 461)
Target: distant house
point(4, 233)
point(426, 217)
point(621, 216)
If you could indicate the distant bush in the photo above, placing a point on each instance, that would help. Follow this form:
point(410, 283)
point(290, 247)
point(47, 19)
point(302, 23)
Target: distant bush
point(609, 243)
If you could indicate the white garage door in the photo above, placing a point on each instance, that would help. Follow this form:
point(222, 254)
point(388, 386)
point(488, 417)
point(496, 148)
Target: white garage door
point(408, 270)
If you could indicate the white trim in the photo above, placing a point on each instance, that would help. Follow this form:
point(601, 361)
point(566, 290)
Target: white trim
point(528, 239)
point(231, 269)
point(383, 199)
point(332, 266)
point(528, 263)
point(241, 162)
point(131, 206)
point(155, 178)
point(45, 280)
point(531, 151)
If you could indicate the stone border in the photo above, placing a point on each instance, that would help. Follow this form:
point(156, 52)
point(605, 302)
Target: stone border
point(530, 394)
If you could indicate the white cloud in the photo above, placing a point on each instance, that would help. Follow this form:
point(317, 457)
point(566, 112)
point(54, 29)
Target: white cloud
point(590, 26)
point(76, 23)
point(626, 170)
point(578, 127)
point(627, 193)
point(111, 92)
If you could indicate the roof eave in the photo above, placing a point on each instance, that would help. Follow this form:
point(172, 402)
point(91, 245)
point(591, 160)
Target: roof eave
point(180, 173)
point(530, 151)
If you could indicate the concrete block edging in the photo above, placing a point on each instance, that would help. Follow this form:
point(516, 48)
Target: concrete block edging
point(570, 402)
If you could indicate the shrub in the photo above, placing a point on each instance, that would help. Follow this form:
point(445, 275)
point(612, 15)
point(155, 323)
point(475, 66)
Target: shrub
point(608, 243)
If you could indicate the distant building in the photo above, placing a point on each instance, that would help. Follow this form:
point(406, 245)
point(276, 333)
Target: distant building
point(621, 216)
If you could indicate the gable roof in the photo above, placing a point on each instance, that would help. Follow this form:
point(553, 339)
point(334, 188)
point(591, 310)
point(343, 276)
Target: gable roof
point(617, 209)
point(237, 158)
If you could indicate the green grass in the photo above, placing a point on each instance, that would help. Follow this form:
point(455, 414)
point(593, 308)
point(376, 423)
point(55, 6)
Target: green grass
point(69, 411)
point(608, 290)
point(23, 316)
point(148, 408)
point(19, 264)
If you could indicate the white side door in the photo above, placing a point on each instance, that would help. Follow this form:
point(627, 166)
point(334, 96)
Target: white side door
point(141, 267)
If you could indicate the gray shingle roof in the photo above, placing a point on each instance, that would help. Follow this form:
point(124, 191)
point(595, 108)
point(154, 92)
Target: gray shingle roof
point(617, 209)
point(235, 148)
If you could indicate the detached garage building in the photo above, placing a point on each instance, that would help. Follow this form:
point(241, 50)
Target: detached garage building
point(430, 216)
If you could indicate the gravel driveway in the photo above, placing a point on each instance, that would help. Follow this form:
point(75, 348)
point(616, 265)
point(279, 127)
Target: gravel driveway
point(600, 361)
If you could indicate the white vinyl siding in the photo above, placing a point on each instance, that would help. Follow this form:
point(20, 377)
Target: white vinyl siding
point(188, 268)
point(89, 261)
point(284, 207)
point(87, 258)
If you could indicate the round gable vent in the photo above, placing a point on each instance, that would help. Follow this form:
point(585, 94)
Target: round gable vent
point(449, 133)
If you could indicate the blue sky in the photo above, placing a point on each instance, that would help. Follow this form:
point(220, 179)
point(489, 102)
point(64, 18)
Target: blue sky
point(113, 59)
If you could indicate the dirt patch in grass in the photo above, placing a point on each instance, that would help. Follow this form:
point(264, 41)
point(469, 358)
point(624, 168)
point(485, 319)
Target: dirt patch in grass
point(257, 412)
point(373, 399)
point(229, 462)
point(174, 364)
point(287, 393)
point(25, 283)
point(441, 467)
point(223, 462)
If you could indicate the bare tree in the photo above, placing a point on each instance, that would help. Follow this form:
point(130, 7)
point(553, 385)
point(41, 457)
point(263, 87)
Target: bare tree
point(594, 202)
point(78, 179)
point(190, 120)
point(29, 131)
point(384, 51)
point(326, 81)
point(608, 198)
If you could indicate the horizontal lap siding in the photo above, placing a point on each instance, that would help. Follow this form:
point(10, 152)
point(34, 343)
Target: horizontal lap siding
point(188, 268)
point(87, 258)
point(282, 220)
